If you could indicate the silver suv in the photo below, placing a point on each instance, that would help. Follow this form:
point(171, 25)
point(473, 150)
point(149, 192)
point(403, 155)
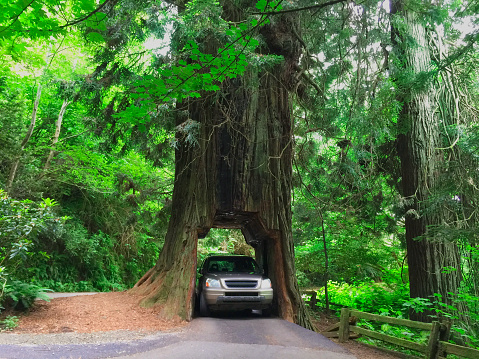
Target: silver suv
point(230, 282)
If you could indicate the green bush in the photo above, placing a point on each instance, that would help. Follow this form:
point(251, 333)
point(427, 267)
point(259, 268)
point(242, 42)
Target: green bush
point(21, 223)
point(9, 323)
point(21, 296)
point(372, 297)
point(75, 260)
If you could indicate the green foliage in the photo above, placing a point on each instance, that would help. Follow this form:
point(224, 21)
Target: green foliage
point(22, 220)
point(419, 305)
point(21, 224)
point(223, 241)
point(42, 20)
point(21, 295)
point(79, 261)
point(9, 323)
point(378, 298)
point(402, 332)
point(232, 48)
point(463, 313)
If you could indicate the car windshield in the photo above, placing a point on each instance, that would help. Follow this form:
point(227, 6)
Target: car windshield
point(233, 265)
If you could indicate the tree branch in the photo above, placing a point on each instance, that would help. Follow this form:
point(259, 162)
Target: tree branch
point(86, 16)
point(62, 26)
point(16, 17)
point(312, 7)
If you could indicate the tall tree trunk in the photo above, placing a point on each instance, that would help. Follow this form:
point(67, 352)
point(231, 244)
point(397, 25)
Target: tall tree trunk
point(237, 176)
point(16, 162)
point(58, 127)
point(421, 164)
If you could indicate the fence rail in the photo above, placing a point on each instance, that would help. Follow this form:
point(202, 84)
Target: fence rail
point(464, 352)
point(436, 347)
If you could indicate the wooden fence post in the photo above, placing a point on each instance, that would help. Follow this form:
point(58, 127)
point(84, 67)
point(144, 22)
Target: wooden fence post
point(344, 325)
point(444, 335)
point(433, 343)
point(445, 330)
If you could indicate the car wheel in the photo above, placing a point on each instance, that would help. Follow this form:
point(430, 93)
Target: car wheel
point(204, 310)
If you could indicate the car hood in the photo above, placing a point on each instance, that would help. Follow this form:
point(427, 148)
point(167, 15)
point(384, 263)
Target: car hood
point(227, 276)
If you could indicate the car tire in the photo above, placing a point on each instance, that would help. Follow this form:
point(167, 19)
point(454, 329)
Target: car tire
point(204, 310)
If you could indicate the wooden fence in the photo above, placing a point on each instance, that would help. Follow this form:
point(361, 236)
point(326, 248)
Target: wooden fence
point(436, 347)
point(448, 348)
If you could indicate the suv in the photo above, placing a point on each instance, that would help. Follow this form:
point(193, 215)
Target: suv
point(230, 282)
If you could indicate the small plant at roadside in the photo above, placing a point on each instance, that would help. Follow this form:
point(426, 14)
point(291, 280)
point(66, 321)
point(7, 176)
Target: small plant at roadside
point(21, 296)
point(9, 323)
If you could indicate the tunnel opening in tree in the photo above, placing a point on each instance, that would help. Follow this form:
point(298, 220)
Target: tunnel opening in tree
point(224, 240)
point(241, 234)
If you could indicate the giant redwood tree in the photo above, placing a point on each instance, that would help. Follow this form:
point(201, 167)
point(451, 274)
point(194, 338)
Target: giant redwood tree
point(236, 173)
point(419, 147)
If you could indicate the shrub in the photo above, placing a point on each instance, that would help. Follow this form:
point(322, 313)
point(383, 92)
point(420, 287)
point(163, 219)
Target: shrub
point(9, 323)
point(21, 296)
point(371, 297)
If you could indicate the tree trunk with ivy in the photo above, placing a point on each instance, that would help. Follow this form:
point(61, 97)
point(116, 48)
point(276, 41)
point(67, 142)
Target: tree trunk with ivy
point(236, 175)
point(434, 262)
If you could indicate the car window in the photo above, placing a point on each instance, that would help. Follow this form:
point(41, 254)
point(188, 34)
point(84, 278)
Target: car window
point(233, 265)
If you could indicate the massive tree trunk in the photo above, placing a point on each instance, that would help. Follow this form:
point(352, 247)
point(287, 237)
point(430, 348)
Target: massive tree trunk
point(421, 164)
point(238, 175)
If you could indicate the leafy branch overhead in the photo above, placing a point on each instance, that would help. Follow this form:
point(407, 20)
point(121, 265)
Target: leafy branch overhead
point(34, 19)
point(198, 70)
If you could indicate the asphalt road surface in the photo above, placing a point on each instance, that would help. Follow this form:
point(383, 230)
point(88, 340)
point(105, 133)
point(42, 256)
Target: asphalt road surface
point(231, 336)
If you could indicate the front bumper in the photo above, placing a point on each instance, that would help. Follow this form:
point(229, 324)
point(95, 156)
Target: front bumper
point(221, 299)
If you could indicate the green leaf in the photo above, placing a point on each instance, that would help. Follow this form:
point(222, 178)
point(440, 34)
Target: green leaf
point(261, 5)
point(95, 37)
point(97, 21)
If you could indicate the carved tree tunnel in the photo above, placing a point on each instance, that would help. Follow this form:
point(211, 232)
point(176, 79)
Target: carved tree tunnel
point(263, 243)
point(237, 175)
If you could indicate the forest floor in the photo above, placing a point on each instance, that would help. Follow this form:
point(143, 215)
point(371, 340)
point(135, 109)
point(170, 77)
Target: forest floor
point(93, 313)
point(116, 311)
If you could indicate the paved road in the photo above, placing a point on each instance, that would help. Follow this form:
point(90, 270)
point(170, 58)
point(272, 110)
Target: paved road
point(232, 337)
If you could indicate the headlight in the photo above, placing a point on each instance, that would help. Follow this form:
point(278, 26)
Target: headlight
point(212, 283)
point(266, 283)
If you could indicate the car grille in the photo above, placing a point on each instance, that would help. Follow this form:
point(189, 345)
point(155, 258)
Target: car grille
point(241, 283)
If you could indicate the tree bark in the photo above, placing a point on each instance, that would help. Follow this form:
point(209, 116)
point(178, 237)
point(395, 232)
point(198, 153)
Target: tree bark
point(421, 164)
point(16, 162)
point(58, 127)
point(237, 176)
